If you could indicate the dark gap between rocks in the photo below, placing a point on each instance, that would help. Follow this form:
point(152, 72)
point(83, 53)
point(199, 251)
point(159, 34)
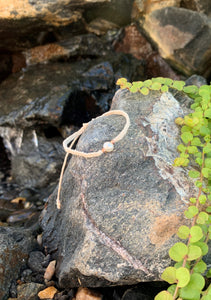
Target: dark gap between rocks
point(5, 163)
point(79, 108)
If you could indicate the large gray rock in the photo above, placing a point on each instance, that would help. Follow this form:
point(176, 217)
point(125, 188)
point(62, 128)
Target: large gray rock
point(133, 198)
point(15, 245)
point(183, 37)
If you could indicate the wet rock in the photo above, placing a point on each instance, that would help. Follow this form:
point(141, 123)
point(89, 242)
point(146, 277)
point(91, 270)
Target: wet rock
point(15, 244)
point(29, 291)
point(120, 212)
point(183, 37)
point(19, 217)
point(135, 43)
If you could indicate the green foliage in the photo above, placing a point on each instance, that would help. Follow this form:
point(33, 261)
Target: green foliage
point(186, 277)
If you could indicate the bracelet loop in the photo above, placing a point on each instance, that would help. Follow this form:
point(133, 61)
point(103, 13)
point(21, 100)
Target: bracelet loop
point(107, 146)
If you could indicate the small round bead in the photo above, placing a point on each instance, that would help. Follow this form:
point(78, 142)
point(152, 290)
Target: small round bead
point(108, 147)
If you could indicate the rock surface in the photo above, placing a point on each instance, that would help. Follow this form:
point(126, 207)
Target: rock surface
point(183, 37)
point(15, 244)
point(120, 211)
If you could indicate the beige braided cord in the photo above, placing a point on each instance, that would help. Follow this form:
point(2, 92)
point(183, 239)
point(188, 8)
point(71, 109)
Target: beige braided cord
point(72, 138)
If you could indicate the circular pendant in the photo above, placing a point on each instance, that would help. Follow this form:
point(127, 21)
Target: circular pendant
point(108, 146)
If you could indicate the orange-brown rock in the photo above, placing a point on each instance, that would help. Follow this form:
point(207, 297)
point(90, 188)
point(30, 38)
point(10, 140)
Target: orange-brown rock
point(47, 293)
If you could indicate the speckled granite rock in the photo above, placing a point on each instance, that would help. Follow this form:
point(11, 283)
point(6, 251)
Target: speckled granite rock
point(120, 211)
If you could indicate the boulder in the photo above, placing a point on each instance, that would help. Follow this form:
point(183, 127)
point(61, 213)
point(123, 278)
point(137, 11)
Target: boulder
point(15, 245)
point(183, 37)
point(120, 212)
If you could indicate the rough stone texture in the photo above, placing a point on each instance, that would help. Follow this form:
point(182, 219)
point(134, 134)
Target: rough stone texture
point(25, 24)
point(36, 105)
point(183, 37)
point(135, 43)
point(203, 6)
point(29, 291)
point(141, 7)
point(15, 244)
point(120, 211)
point(88, 45)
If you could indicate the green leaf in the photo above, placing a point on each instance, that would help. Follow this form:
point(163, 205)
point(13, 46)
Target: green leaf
point(169, 275)
point(168, 81)
point(192, 149)
point(186, 137)
point(178, 85)
point(181, 161)
point(202, 199)
point(198, 184)
point(156, 86)
point(206, 172)
point(200, 267)
point(207, 113)
point(171, 289)
point(202, 218)
point(194, 252)
point(191, 211)
point(186, 129)
point(147, 83)
point(196, 141)
point(199, 161)
point(194, 174)
point(178, 251)
point(192, 200)
point(196, 282)
point(196, 234)
point(207, 148)
point(183, 232)
point(191, 89)
point(134, 89)
point(164, 295)
point(121, 81)
point(182, 276)
point(144, 91)
point(208, 209)
point(204, 130)
point(164, 88)
point(204, 247)
point(193, 290)
point(181, 148)
point(188, 293)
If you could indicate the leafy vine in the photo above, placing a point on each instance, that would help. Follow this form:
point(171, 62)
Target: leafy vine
point(187, 276)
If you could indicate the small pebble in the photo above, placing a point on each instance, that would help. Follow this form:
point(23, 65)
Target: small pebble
point(50, 270)
point(48, 293)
